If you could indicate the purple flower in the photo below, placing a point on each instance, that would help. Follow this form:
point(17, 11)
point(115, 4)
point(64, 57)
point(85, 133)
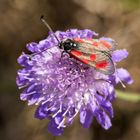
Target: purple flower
point(63, 87)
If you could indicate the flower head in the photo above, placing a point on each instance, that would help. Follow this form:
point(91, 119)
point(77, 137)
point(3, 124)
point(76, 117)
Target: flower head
point(62, 86)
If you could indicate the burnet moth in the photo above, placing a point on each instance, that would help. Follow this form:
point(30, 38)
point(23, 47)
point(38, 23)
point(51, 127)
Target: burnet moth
point(93, 52)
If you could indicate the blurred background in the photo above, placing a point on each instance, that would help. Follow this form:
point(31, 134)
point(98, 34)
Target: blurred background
point(20, 24)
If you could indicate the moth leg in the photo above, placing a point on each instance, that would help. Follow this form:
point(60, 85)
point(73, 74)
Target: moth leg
point(62, 55)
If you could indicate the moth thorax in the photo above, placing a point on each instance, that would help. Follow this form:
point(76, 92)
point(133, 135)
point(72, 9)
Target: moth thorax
point(68, 45)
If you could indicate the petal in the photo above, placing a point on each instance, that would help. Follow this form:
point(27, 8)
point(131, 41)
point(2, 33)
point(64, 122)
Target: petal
point(43, 44)
point(112, 79)
point(107, 106)
point(110, 40)
point(87, 33)
point(124, 76)
point(52, 128)
point(34, 98)
point(59, 119)
point(23, 60)
point(92, 104)
point(21, 81)
point(32, 47)
point(103, 119)
point(32, 93)
point(82, 116)
point(42, 113)
point(86, 118)
point(111, 97)
point(61, 35)
point(51, 38)
point(119, 55)
point(72, 33)
point(103, 87)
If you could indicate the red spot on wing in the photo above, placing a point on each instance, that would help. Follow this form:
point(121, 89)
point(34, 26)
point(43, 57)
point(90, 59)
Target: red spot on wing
point(84, 60)
point(89, 39)
point(95, 44)
point(92, 57)
point(76, 53)
point(79, 40)
point(101, 64)
point(106, 44)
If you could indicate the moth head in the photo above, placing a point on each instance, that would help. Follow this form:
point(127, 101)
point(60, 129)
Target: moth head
point(67, 45)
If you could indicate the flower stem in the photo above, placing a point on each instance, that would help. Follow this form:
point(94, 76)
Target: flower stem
point(128, 96)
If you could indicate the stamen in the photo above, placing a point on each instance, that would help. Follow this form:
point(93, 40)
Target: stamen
point(50, 107)
point(46, 101)
point(20, 87)
point(30, 93)
point(74, 115)
point(123, 85)
point(30, 79)
point(24, 74)
point(66, 111)
point(39, 100)
point(61, 123)
point(60, 110)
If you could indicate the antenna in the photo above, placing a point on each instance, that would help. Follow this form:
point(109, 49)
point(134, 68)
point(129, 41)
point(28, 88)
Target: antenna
point(50, 29)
